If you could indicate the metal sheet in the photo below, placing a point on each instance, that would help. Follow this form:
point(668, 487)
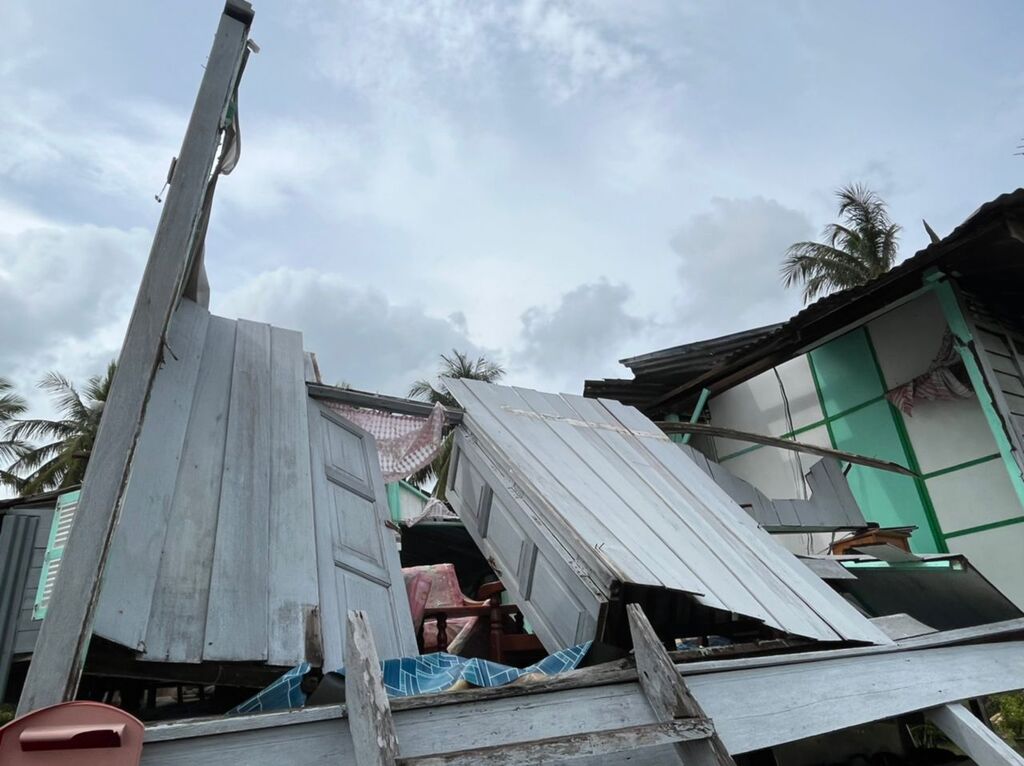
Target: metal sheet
point(629, 507)
point(17, 536)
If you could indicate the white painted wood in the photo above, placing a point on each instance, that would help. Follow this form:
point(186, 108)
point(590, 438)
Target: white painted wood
point(667, 694)
point(978, 741)
point(898, 626)
point(751, 709)
point(237, 613)
point(562, 604)
point(357, 556)
point(64, 636)
point(602, 744)
point(369, 714)
point(177, 619)
point(609, 494)
point(293, 591)
point(122, 614)
point(971, 497)
point(783, 576)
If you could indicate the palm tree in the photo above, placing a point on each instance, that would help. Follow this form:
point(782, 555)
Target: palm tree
point(458, 365)
point(855, 251)
point(62, 458)
point(12, 407)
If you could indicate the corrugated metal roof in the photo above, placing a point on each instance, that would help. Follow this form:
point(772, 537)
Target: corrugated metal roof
point(618, 490)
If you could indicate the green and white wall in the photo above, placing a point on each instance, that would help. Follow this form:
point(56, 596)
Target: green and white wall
point(964, 502)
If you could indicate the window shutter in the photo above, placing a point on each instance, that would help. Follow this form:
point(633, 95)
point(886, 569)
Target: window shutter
point(63, 517)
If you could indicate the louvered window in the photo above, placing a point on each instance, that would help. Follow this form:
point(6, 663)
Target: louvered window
point(63, 517)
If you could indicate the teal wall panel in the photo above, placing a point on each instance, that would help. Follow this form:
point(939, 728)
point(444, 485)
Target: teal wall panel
point(848, 378)
point(845, 369)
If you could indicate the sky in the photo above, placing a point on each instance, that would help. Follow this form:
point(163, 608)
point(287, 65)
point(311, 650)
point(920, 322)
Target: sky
point(556, 185)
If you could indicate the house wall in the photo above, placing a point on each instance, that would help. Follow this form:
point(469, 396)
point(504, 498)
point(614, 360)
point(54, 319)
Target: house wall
point(964, 500)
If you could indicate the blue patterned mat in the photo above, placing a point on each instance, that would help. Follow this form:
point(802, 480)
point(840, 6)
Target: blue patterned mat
point(409, 676)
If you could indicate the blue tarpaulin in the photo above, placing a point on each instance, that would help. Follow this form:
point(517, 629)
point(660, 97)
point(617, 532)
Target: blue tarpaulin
point(408, 676)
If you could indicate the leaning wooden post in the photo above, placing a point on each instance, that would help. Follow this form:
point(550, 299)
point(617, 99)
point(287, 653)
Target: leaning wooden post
point(64, 637)
point(366, 703)
point(972, 736)
point(667, 692)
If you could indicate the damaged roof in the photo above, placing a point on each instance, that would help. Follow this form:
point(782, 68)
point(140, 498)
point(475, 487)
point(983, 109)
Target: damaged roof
point(985, 254)
point(626, 503)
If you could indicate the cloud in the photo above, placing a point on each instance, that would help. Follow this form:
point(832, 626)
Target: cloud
point(729, 259)
point(358, 334)
point(66, 293)
point(582, 335)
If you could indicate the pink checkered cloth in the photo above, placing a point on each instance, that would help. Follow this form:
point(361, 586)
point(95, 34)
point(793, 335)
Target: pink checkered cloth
point(937, 383)
point(405, 443)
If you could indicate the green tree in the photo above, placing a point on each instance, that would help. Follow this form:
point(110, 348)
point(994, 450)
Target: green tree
point(859, 248)
point(458, 365)
point(61, 459)
point(12, 407)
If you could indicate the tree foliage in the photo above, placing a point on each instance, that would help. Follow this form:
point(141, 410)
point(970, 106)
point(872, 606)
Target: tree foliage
point(54, 453)
point(862, 246)
point(458, 365)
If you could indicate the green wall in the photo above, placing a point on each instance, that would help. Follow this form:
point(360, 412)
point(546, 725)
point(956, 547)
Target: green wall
point(851, 390)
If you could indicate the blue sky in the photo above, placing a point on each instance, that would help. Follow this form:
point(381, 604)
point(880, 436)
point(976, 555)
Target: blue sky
point(555, 184)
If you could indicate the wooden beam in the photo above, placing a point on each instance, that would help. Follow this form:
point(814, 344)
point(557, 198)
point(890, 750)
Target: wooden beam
point(667, 692)
point(369, 713)
point(706, 429)
point(554, 749)
point(64, 637)
point(397, 404)
point(979, 742)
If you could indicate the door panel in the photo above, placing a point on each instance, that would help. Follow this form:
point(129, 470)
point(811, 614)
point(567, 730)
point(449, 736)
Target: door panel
point(357, 555)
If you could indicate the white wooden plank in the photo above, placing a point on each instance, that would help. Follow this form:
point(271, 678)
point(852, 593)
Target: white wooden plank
point(64, 636)
point(293, 589)
point(667, 693)
point(177, 623)
point(603, 744)
point(751, 710)
point(979, 742)
point(751, 583)
point(812, 595)
point(899, 626)
point(237, 613)
point(122, 614)
point(369, 715)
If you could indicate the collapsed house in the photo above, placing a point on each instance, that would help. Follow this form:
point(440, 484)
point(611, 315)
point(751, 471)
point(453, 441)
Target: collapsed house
point(234, 523)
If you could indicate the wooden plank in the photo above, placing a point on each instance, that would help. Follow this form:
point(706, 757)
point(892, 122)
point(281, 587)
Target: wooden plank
point(237, 613)
point(667, 692)
point(122, 614)
point(978, 741)
point(293, 591)
point(369, 714)
point(63, 639)
point(751, 710)
point(589, 744)
point(177, 623)
point(382, 402)
point(899, 626)
point(827, 569)
point(706, 429)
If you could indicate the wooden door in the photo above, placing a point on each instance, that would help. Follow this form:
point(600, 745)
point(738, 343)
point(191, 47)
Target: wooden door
point(357, 554)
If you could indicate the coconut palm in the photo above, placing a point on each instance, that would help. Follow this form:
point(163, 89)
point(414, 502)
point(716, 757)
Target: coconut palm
point(67, 443)
point(458, 365)
point(12, 407)
point(860, 248)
